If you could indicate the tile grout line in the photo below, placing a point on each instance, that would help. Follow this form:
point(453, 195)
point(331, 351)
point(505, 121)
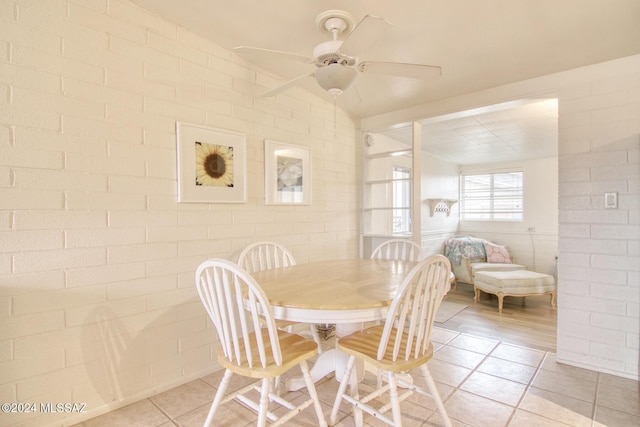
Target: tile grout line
point(595, 400)
point(456, 388)
point(472, 371)
point(529, 386)
point(163, 412)
point(515, 407)
point(475, 369)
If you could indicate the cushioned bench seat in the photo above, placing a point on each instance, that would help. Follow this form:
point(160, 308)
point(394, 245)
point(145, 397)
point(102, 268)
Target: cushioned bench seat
point(520, 283)
point(478, 267)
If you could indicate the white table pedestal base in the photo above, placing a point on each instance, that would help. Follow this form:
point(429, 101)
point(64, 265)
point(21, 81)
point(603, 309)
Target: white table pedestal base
point(330, 361)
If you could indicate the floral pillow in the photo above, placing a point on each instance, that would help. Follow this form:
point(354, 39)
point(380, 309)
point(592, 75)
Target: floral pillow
point(497, 254)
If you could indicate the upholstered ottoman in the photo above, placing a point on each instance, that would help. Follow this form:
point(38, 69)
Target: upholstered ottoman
point(519, 283)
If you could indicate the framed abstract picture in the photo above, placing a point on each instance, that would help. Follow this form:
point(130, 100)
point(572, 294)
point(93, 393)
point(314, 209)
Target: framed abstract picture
point(211, 164)
point(287, 174)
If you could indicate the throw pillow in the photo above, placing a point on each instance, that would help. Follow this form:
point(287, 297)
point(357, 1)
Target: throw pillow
point(497, 254)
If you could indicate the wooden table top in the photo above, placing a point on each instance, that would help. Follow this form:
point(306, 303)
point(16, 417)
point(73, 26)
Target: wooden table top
point(347, 284)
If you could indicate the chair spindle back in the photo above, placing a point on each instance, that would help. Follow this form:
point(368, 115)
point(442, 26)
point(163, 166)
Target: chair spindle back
point(265, 255)
point(235, 303)
point(398, 249)
point(411, 314)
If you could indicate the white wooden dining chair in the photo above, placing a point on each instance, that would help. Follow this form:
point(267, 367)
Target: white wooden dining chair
point(398, 249)
point(265, 255)
point(250, 343)
point(401, 344)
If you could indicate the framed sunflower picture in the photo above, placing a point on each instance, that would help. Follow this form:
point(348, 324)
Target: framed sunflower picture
point(287, 174)
point(211, 165)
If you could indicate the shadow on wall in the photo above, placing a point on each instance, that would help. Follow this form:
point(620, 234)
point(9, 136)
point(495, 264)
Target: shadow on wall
point(109, 342)
point(123, 364)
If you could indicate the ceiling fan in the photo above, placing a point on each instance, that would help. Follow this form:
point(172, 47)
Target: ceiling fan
point(336, 61)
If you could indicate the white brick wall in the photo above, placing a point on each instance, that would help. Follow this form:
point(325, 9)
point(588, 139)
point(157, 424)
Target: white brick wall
point(599, 290)
point(97, 302)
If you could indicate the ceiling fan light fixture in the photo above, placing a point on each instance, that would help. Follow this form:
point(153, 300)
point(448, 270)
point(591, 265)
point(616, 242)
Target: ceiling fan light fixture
point(335, 78)
point(336, 61)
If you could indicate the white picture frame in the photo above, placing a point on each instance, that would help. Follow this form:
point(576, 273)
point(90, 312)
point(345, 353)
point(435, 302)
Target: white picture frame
point(211, 164)
point(287, 173)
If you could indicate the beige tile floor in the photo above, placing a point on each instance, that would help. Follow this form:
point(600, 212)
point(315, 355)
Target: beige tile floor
point(483, 382)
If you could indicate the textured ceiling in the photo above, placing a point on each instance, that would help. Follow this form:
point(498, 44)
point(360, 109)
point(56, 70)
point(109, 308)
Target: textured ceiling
point(523, 130)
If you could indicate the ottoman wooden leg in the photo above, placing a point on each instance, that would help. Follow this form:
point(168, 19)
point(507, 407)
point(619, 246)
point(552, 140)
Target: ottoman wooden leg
point(476, 294)
point(500, 301)
point(553, 300)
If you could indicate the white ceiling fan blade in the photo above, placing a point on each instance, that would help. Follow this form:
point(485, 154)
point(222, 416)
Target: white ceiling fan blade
point(415, 71)
point(247, 51)
point(368, 30)
point(285, 86)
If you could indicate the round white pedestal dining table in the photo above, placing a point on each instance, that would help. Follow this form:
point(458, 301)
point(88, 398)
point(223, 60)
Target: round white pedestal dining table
point(346, 292)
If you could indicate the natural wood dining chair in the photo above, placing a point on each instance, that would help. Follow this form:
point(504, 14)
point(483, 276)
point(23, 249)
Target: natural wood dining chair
point(401, 344)
point(250, 343)
point(398, 249)
point(265, 255)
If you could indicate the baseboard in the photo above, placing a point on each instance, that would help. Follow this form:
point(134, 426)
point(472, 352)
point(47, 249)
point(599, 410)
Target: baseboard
point(145, 394)
point(627, 375)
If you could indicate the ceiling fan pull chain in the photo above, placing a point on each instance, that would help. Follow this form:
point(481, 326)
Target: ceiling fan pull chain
point(335, 125)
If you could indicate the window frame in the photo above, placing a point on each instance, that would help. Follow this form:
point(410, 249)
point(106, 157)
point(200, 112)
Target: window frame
point(493, 214)
point(401, 203)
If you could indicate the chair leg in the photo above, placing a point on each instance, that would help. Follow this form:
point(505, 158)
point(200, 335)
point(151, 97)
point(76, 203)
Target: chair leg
point(393, 397)
point(264, 402)
point(333, 418)
point(304, 367)
point(277, 385)
point(435, 395)
point(355, 394)
point(222, 388)
point(316, 336)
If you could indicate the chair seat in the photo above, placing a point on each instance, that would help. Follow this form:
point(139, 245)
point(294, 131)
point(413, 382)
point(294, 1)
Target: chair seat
point(295, 349)
point(364, 344)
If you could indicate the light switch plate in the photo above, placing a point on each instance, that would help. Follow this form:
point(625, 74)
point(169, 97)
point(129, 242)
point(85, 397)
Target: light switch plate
point(611, 200)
